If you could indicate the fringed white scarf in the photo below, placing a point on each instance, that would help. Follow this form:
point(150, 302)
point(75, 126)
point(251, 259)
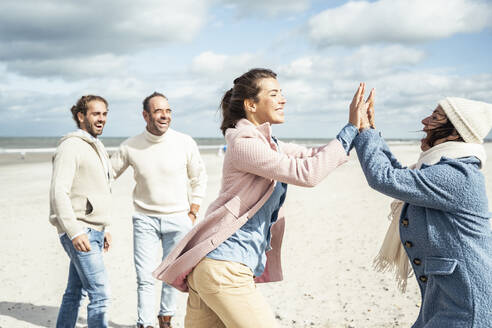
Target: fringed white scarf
point(392, 255)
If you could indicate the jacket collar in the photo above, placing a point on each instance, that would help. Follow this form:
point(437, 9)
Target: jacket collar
point(79, 133)
point(265, 130)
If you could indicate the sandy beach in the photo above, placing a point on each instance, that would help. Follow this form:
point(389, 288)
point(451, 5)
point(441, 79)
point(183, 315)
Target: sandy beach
point(333, 232)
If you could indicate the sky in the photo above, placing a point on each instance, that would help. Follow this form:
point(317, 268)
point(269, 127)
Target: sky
point(413, 52)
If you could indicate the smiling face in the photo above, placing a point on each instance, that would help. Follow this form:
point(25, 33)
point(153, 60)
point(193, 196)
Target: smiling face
point(269, 106)
point(158, 117)
point(94, 119)
point(432, 124)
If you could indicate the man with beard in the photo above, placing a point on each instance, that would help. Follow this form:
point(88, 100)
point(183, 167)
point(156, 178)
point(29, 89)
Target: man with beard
point(80, 196)
point(165, 164)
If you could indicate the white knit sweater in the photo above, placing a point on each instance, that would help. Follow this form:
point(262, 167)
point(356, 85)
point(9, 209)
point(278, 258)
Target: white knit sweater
point(164, 167)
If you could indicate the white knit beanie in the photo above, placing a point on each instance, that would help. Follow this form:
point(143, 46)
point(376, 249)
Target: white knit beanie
point(472, 119)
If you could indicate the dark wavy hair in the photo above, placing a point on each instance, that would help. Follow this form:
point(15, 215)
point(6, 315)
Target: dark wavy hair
point(245, 87)
point(83, 104)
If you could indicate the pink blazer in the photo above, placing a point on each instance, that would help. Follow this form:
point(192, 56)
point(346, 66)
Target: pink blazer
point(252, 165)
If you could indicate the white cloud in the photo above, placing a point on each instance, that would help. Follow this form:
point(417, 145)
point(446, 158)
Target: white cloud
point(390, 56)
point(213, 65)
point(364, 62)
point(398, 21)
point(208, 62)
point(266, 8)
point(319, 89)
point(371, 62)
point(403, 99)
point(41, 34)
point(71, 68)
point(301, 67)
point(118, 52)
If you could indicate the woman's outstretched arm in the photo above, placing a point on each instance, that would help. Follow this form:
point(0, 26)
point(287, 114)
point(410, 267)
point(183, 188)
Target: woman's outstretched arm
point(443, 186)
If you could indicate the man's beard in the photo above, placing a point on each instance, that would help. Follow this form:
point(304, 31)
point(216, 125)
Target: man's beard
point(155, 128)
point(90, 128)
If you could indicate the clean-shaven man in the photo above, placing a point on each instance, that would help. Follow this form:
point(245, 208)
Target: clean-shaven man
point(80, 203)
point(170, 185)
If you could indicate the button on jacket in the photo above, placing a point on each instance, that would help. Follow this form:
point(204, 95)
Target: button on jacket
point(445, 229)
point(251, 166)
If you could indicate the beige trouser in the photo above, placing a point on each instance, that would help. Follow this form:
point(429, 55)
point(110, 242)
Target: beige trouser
point(224, 294)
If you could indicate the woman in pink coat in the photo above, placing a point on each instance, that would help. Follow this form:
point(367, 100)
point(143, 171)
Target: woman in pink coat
point(238, 243)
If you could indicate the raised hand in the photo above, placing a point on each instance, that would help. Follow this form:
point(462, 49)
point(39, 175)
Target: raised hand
point(370, 109)
point(355, 110)
point(367, 112)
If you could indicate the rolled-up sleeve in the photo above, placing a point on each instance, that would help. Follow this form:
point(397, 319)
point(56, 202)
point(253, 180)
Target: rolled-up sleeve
point(347, 136)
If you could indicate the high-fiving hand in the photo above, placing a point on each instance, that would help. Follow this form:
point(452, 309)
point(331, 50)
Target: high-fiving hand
point(361, 112)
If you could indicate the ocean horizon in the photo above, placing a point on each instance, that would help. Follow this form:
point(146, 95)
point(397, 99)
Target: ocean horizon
point(204, 143)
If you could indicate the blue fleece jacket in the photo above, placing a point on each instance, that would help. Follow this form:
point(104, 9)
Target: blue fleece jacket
point(445, 229)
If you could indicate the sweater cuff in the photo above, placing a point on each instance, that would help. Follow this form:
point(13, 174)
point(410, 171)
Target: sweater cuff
point(78, 234)
point(74, 229)
point(196, 200)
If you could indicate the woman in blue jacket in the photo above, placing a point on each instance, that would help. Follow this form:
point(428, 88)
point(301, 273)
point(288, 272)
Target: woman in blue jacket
point(443, 224)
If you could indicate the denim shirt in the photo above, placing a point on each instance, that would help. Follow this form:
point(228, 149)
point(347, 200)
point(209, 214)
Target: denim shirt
point(347, 135)
point(249, 244)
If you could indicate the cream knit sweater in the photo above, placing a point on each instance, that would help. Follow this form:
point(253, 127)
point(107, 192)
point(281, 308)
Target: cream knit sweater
point(80, 192)
point(163, 168)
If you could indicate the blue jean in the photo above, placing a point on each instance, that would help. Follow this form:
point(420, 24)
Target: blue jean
point(86, 275)
point(148, 233)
